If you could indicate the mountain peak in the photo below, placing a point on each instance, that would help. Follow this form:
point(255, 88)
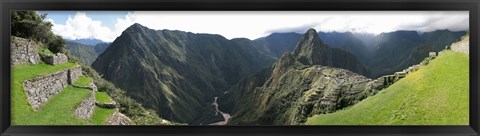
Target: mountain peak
point(309, 47)
point(135, 27)
point(311, 31)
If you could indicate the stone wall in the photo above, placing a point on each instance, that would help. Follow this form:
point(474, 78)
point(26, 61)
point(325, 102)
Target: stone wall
point(74, 73)
point(86, 108)
point(119, 119)
point(59, 58)
point(42, 88)
point(23, 51)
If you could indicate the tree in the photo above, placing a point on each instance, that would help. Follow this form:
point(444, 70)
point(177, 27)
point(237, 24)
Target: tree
point(57, 44)
point(30, 25)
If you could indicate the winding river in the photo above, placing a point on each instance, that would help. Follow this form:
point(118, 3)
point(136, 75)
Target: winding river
point(226, 116)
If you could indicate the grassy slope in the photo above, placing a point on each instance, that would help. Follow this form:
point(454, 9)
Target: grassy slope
point(83, 81)
point(102, 97)
point(59, 110)
point(437, 94)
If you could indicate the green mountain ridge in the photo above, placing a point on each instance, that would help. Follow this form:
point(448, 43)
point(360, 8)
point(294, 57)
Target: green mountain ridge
point(177, 73)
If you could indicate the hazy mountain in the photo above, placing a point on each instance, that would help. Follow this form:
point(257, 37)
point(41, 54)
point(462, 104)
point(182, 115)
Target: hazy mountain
point(177, 73)
point(357, 44)
point(400, 49)
point(91, 42)
point(86, 53)
point(277, 43)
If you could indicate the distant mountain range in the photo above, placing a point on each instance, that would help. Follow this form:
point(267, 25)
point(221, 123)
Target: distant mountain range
point(178, 73)
point(91, 42)
point(86, 53)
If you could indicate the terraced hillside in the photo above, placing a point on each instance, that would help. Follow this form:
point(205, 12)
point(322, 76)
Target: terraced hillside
point(57, 93)
point(436, 94)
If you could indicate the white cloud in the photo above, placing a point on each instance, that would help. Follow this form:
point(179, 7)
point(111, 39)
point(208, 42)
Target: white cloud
point(255, 24)
point(81, 26)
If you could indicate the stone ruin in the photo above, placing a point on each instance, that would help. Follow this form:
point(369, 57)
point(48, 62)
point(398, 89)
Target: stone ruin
point(23, 51)
point(56, 59)
point(40, 89)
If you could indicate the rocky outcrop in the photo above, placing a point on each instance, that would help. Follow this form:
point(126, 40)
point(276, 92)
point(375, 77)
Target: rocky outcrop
point(23, 51)
point(40, 89)
point(119, 119)
point(86, 108)
point(59, 58)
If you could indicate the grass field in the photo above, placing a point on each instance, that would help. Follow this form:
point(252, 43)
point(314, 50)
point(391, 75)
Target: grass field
point(59, 110)
point(101, 115)
point(102, 97)
point(437, 94)
point(83, 81)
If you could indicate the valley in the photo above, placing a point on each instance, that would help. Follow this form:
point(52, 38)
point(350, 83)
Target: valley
point(274, 80)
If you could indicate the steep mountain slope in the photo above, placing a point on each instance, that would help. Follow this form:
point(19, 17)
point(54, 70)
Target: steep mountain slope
point(437, 94)
point(174, 72)
point(299, 84)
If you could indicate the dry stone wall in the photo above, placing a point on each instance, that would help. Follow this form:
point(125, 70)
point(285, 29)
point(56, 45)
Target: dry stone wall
point(86, 108)
point(59, 58)
point(40, 89)
point(74, 73)
point(23, 51)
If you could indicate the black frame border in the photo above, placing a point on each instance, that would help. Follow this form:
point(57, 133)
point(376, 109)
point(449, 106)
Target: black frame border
point(236, 5)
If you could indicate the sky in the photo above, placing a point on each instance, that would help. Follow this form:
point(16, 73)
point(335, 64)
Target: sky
point(107, 25)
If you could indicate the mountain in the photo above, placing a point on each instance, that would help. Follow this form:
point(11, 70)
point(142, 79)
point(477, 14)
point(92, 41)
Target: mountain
point(86, 53)
point(277, 43)
point(356, 43)
point(311, 50)
point(299, 84)
point(91, 42)
point(400, 49)
point(177, 73)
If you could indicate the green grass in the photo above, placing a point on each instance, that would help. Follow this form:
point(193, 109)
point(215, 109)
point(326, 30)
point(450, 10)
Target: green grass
point(103, 97)
point(44, 51)
point(59, 110)
point(83, 81)
point(437, 94)
point(101, 115)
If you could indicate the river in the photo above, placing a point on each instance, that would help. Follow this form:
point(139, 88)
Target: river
point(226, 116)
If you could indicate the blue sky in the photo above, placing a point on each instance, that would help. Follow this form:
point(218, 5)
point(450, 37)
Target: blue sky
point(107, 25)
point(108, 18)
